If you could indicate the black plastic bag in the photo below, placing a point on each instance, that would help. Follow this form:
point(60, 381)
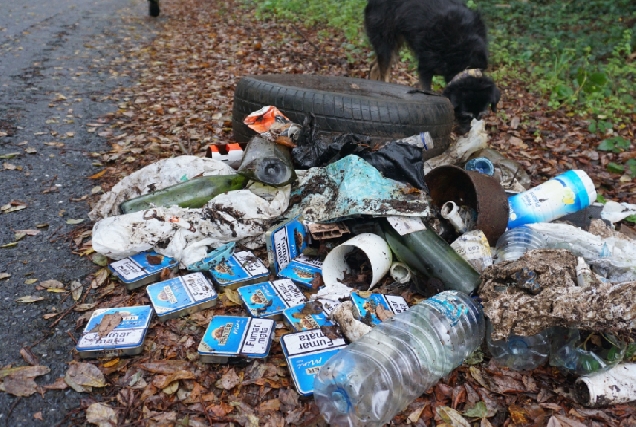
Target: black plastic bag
point(397, 160)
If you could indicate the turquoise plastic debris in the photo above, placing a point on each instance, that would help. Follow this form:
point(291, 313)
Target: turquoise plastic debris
point(351, 187)
point(214, 258)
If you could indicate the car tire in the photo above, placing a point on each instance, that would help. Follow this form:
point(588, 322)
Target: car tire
point(383, 111)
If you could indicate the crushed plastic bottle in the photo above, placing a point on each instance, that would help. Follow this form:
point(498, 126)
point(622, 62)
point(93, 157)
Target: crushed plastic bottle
point(517, 352)
point(372, 379)
point(516, 242)
point(582, 353)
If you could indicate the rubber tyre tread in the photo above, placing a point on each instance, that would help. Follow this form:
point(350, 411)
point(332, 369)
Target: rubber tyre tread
point(381, 110)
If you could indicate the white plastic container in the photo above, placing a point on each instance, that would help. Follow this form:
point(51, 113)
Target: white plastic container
point(374, 378)
point(566, 193)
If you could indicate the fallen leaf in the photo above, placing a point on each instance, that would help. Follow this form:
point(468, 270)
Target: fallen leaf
point(82, 377)
point(59, 384)
point(164, 367)
point(85, 307)
point(478, 411)
point(30, 150)
point(563, 421)
point(100, 278)
point(107, 324)
point(415, 415)
point(30, 281)
point(228, 381)
point(76, 290)
point(101, 414)
point(38, 416)
point(270, 405)
point(98, 174)
point(74, 221)
point(19, 236)
point(9, 245)
point(29, 298)
point(9, 166)
point(451, 417)
point(29, 357)
point(48, 316)
point(29, 232)
point(9, 155)
point(52, 284)
point(4, 276)
point(163, 381)
point(19, 381)
point(233, 296)
point(171, 388)
point(99, 259)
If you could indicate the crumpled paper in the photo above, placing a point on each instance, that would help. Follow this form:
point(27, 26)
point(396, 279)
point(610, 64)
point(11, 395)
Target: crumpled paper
point(162, 174)
point(188, 234)
point(513, 309)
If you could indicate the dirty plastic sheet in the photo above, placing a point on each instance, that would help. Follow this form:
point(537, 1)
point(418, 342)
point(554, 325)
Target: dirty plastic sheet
point(460, 150)
point(400, 160)
point(615, 212)
point(603, 307)
point(351, 187)
point(188, 234)
point(162, 174)
point(613, 256)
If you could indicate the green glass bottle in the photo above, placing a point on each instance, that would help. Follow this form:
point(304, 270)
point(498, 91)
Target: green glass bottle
point(193, 193)
point(419, 247)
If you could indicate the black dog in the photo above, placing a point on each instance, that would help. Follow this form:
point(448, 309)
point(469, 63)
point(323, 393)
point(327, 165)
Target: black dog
point(447, 38)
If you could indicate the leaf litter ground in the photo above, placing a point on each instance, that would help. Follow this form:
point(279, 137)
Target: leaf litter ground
point(181, 104)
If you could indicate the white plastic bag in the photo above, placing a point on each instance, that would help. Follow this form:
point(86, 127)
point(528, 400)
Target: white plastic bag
point(460, 150)
point(186, 234)
point(162, 174)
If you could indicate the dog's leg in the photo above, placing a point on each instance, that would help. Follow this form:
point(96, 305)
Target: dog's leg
point(426, 78)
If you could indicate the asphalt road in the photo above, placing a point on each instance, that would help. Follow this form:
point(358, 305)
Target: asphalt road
point(54, 74)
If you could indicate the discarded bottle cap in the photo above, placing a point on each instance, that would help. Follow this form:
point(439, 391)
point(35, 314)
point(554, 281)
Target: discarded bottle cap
point(481, 165)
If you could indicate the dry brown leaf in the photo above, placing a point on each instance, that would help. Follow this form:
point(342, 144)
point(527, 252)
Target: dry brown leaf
point(29, 357)
point(38, 416)
point(163, 381)
point(102, 415)
point(52, 284)
point(165, 367)
point(107, 324)
point(82, 377)
point(270, 405)
point(29, 298)
point(19, 381)
point(76, 289)
point(228, 381)
point(100, 278)
point(59, 384)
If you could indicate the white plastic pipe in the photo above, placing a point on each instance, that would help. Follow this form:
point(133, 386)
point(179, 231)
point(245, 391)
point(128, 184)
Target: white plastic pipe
point(373, 246)
point(618, 385)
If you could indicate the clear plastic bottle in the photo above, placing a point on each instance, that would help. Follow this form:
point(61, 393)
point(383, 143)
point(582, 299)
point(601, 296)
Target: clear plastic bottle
point(370, 381)
point(517, 352)
point(582, 352)
point(516, 242)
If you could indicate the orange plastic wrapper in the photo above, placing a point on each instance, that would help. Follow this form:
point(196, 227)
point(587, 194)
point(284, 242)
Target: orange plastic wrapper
point(272, 125)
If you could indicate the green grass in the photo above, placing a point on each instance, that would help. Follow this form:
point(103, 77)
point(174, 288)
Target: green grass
point(575, 53)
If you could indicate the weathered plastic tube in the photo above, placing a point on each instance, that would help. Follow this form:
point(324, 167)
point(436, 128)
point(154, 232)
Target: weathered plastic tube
point(617, 385)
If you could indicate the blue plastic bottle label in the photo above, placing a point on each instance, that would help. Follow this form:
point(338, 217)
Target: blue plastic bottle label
point(561, 195)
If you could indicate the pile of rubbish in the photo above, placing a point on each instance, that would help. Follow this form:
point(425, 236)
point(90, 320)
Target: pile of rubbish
point(535, 275)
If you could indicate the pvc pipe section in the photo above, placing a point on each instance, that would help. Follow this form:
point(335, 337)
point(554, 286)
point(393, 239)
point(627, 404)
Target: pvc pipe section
point(617, 385)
